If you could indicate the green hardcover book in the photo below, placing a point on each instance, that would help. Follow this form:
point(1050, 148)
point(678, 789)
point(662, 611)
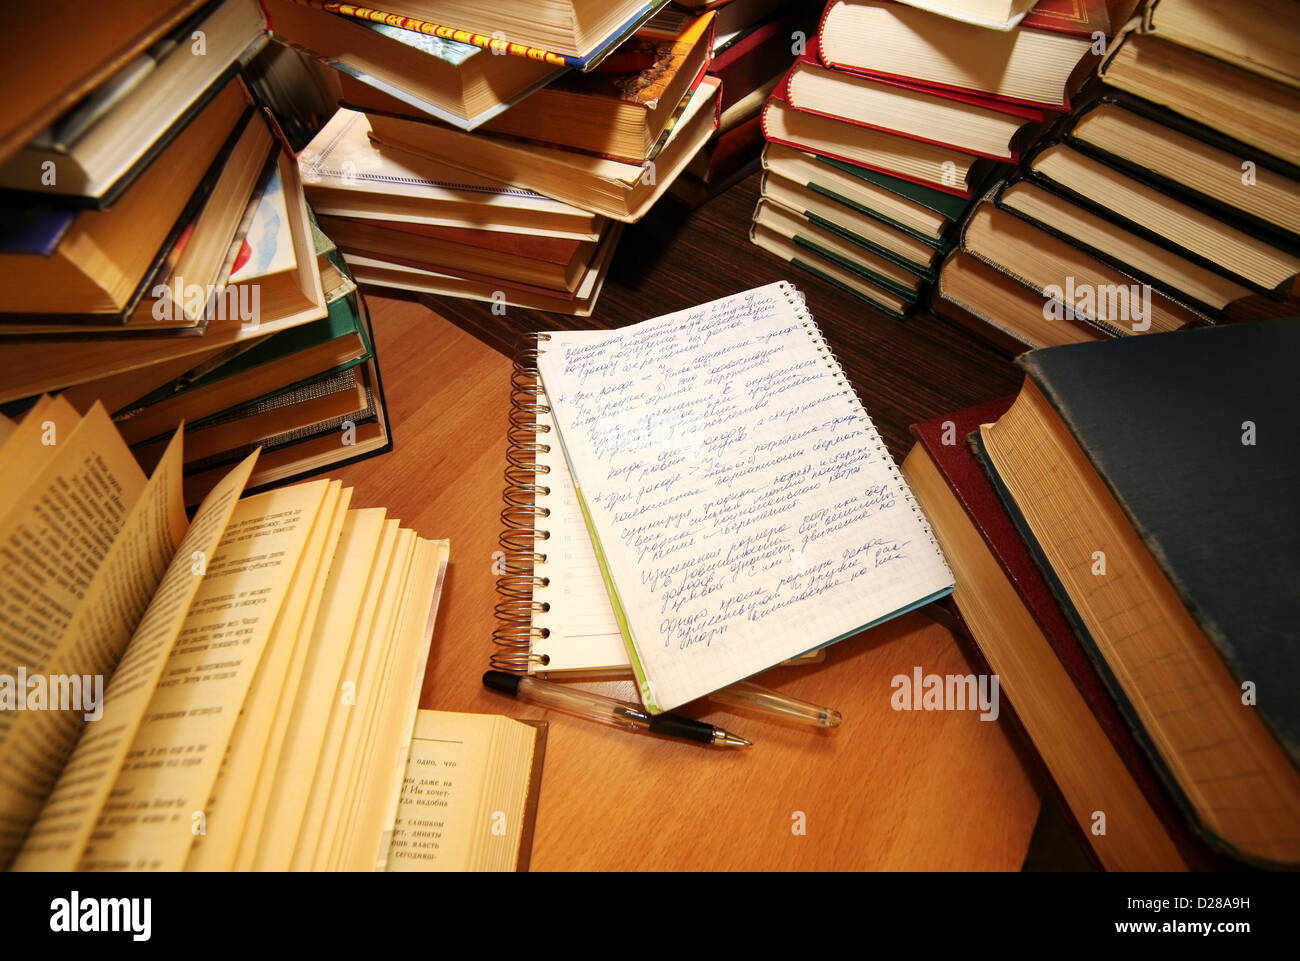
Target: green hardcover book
point(335, 342)
point(918, 212)
point(950, 206)
point(868, 263)
point(881, 298)
point(901, 248)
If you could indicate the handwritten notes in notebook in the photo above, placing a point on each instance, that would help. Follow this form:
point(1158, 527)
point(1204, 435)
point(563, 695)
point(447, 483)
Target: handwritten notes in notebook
point(742, 503)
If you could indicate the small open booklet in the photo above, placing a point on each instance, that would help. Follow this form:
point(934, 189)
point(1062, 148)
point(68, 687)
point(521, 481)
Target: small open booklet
point(469, 802)
point(742, 506)
point(233, 691)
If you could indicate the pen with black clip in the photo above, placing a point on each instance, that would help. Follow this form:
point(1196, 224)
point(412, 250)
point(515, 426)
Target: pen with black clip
point(607, 710)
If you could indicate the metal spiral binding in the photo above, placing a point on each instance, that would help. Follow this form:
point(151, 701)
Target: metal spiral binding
point(796, 299)
point(520, 559)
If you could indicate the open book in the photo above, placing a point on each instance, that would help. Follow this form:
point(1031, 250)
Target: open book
point(742, 506)
point(233, 691)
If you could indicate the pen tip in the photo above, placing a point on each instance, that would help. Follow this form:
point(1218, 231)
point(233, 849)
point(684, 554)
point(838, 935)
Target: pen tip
point(732, 740)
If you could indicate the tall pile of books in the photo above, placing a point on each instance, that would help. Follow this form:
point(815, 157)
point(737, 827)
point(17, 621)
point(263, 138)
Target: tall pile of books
point(159, 256)
point(1120, 534)
point(895, 117)
point(1169, 198)
point(497, 157)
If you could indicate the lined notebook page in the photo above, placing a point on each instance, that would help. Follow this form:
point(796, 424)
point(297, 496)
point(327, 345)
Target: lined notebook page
point(744, 504)
point(583, 633)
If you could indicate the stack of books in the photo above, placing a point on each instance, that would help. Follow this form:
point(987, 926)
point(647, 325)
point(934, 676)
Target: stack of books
point(500, 169)
point(892, 121)
point(416, 224)
point(753, 42)
point(161, 259)
point(1170, 197)
point(1123, 541)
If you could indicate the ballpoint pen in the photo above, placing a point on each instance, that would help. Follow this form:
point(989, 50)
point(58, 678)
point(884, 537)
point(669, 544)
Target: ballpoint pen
point(607, 710)
point(751, 695)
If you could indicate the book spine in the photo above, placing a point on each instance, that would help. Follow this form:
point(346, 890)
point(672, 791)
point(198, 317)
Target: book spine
point(494, 44)
point(519, 558)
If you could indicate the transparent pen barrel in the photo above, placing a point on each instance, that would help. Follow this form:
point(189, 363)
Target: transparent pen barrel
point(582, 703)
point(745, 694)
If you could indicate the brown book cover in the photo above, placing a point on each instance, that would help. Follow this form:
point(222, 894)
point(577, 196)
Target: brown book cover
point(550, 250)
point(973, 490)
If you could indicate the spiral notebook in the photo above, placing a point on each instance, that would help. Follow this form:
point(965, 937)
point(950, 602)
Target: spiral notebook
point(740, 504)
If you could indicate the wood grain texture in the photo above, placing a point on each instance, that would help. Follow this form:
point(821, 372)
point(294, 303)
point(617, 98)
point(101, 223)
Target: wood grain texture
point(904, 371)
point(887, 790)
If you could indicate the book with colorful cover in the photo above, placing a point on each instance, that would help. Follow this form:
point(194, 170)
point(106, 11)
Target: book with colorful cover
point(496, 45)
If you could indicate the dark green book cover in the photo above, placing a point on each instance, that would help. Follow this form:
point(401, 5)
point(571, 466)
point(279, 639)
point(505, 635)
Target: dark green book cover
point(1192, 432)
point(950, 206)
point(342, 320)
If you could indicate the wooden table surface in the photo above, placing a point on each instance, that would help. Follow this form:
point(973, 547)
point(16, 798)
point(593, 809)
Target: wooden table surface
point(886, 790)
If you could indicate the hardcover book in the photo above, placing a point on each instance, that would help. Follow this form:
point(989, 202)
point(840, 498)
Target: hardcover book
point(1050, 681)
point(1130, 439)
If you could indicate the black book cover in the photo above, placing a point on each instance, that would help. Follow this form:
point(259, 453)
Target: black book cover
point(1210, 312)
point(1194, 433)
point(1189, 128)
point(1031, 172)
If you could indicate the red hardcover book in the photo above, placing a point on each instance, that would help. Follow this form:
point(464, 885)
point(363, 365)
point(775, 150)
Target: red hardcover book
point(1020, 114)
point(1032, 47)
point(959, 180)
point(756, 57)
point(944, 441)
point(1080, 18)
point(729, 151)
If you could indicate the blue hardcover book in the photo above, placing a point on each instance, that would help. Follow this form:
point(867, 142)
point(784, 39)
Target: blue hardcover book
point(33, 230)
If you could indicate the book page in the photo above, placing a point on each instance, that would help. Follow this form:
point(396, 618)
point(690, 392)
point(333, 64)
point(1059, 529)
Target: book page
point(379, 785)
point(442, 795)
point(743, 507)
point(71, 491)
point(60, 835)
point(73, 483)
point(156, 807)
point(269, 844)
point(39, 742)
point(368, 690)
point(313, 827)
point(31, 444)
point(215, 847)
